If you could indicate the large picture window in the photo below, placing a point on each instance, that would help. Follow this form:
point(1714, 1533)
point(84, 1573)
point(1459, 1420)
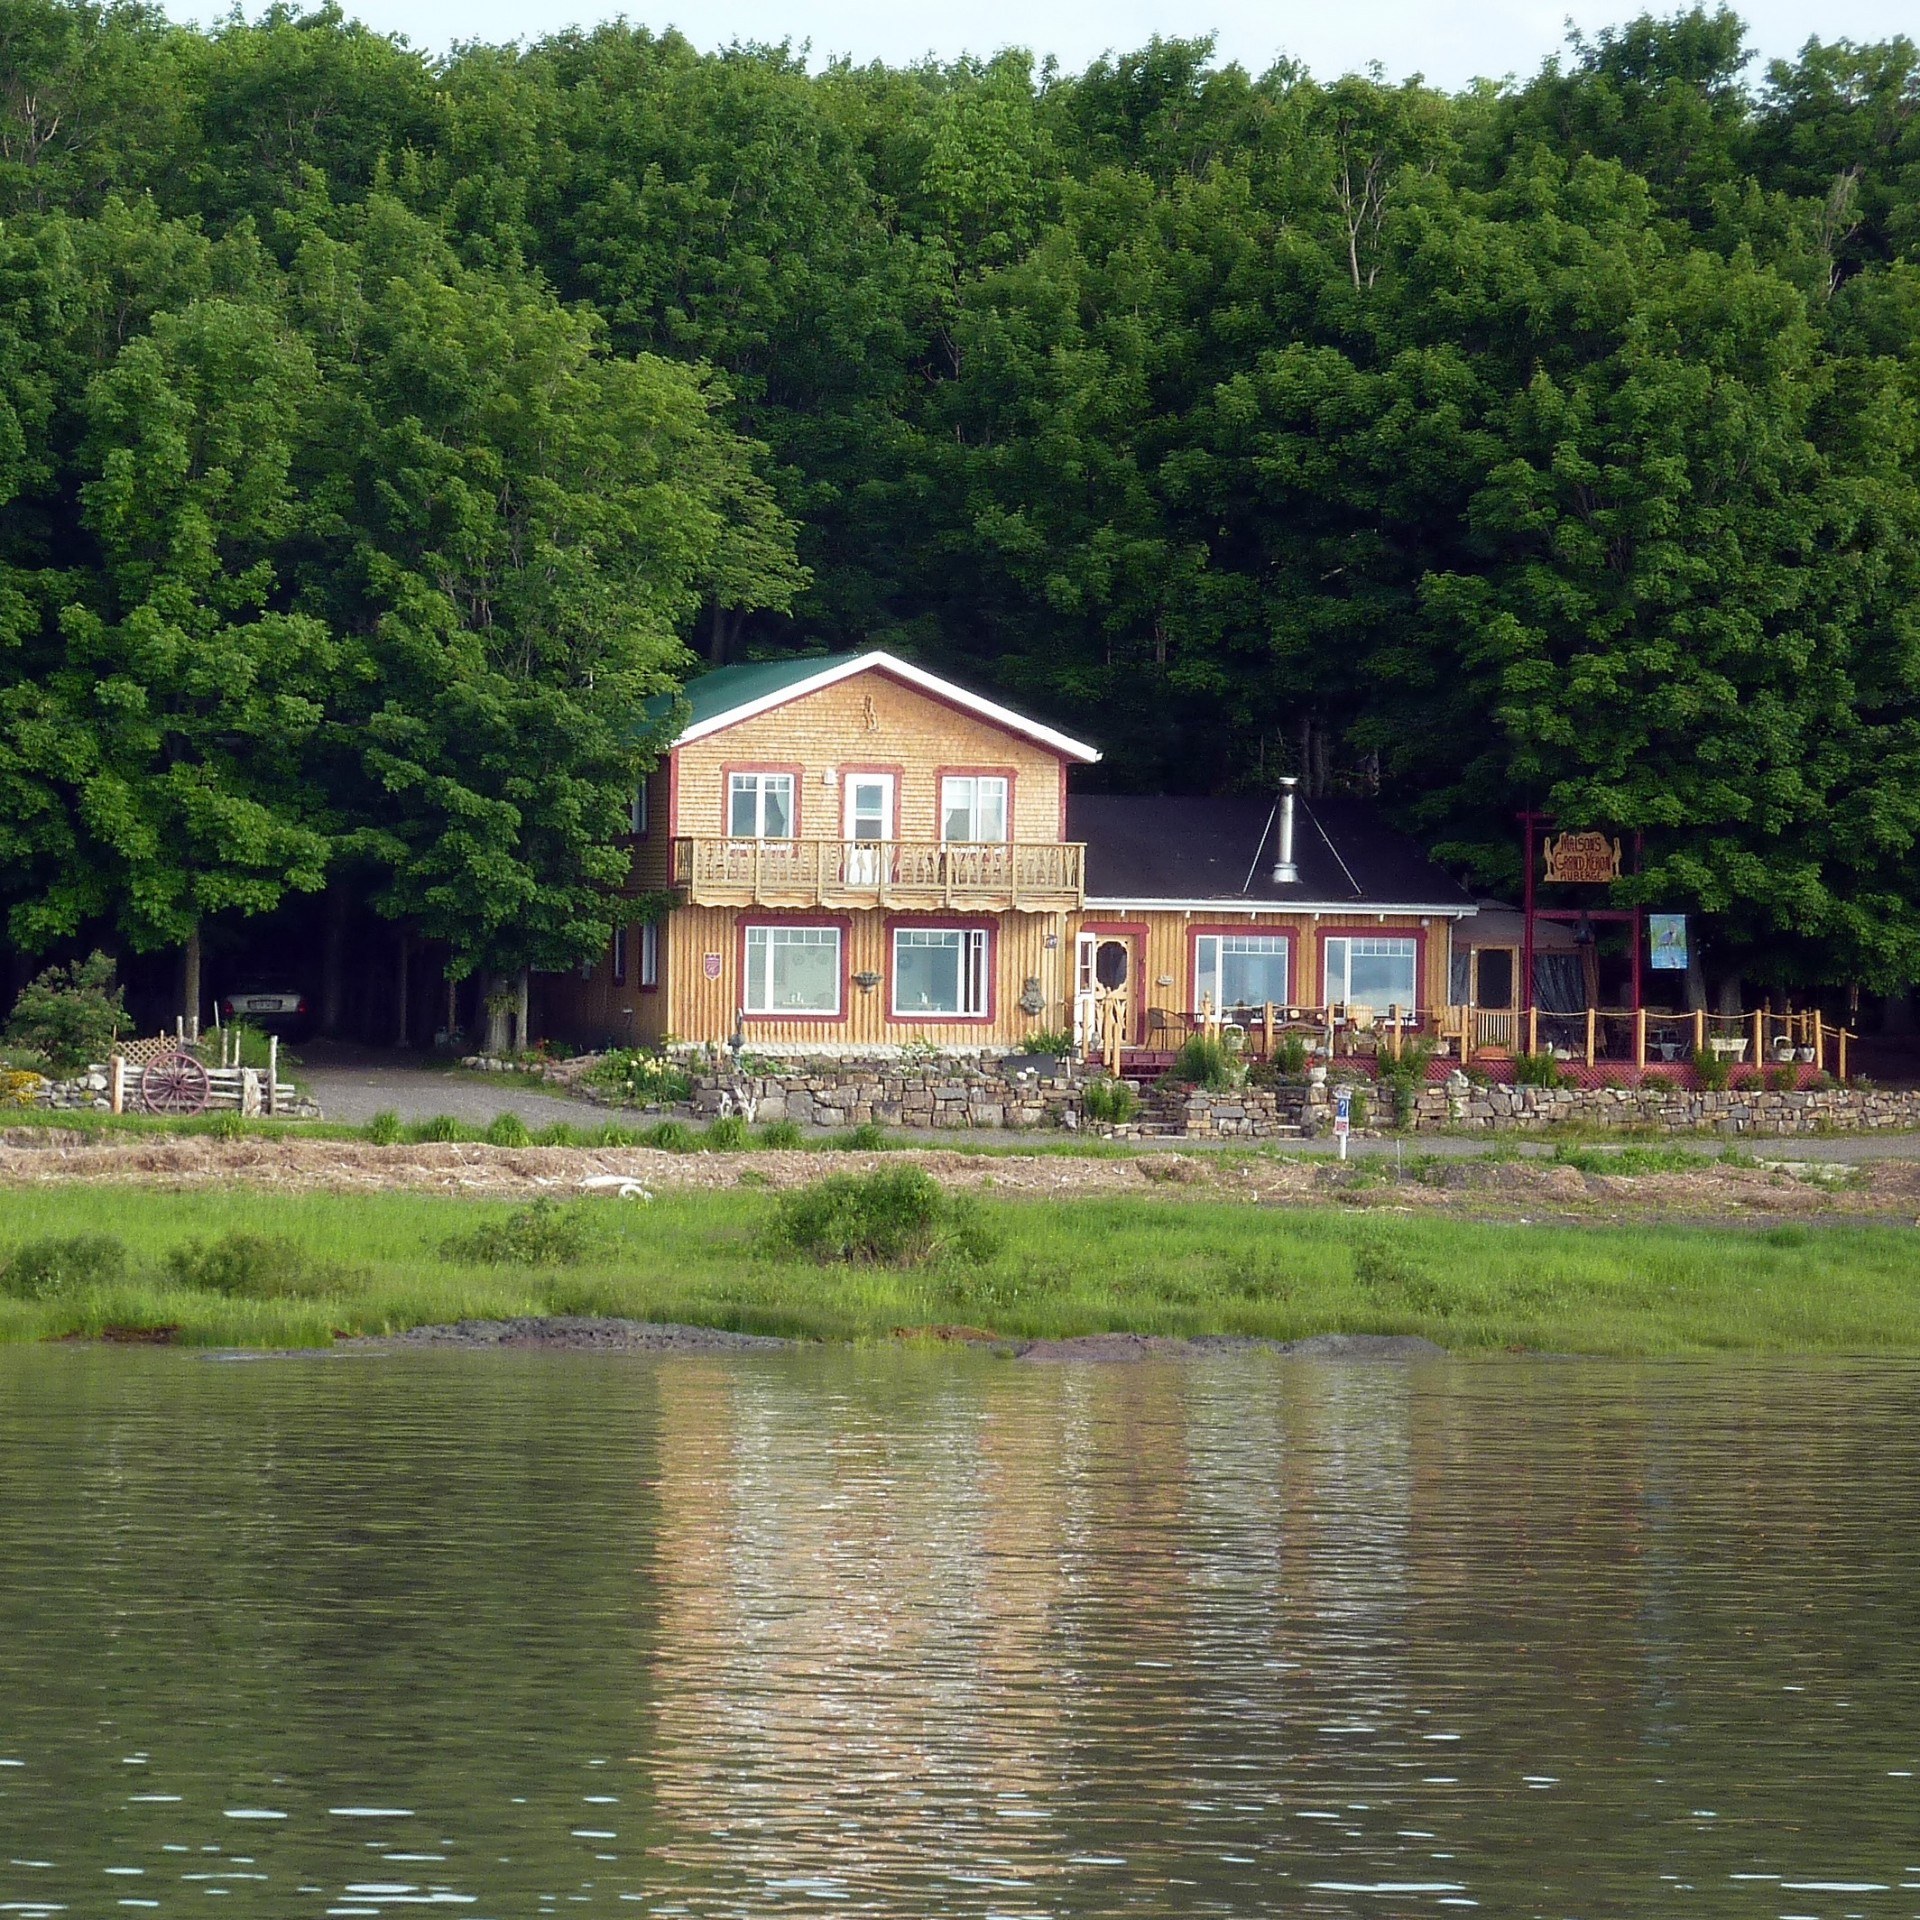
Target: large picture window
point(1376, 973)
point(973, 806)
point(1236, 972)
point(940, 970)
point(793, 970)
point(760, 806)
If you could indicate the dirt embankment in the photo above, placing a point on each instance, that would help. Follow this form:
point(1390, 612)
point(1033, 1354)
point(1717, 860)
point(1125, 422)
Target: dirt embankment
point(1532, 1189)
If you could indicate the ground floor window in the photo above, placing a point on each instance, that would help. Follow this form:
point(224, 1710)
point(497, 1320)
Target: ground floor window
point(940, 970)
point(650, 953)
point(1233, 972)
point(793, 970)
point(1376, 973)
point(619, 956)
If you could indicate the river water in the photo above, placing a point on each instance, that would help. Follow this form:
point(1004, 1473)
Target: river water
point(544, 1634)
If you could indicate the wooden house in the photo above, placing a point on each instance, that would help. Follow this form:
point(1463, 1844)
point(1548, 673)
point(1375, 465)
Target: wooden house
point(842, 854)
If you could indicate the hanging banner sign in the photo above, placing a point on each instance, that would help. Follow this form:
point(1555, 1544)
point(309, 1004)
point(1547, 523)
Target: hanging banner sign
point(1667, 942)
point(1582, 859)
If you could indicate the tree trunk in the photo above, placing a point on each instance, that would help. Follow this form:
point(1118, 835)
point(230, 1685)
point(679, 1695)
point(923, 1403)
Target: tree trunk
point(499, 1005)
point(332, 968)
point(1730, 994)
point(521, 1040)
point(190, 982)
point(1696, 980)
point(404, 967)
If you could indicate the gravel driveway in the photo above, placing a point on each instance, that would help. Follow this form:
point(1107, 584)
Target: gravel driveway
point(354, 1092)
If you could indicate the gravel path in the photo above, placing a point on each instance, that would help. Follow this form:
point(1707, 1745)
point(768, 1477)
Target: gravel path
point(354, 1094)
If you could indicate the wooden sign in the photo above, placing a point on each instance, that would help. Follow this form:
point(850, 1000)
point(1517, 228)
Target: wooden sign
point(1582, 859)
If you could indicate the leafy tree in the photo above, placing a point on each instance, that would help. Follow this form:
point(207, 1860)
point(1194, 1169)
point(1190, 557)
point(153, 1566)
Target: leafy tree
point(71, 1014)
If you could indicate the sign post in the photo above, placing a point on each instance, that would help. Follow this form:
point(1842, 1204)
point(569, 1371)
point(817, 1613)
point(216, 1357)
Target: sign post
point(1342, 1117)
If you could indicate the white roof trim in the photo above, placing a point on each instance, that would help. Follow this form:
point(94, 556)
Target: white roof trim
point(915, 677)
point(1325, 909)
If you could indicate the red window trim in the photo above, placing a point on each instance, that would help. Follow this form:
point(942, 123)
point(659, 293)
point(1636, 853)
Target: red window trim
point(1011, 775)
point(1375, 931)
point(1267, 930)
point(946, 923)
point(729, 768)
point(843, 921)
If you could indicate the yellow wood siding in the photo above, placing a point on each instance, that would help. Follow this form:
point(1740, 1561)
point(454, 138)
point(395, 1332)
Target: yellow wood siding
point(704, 1008)
point(867, 721)
point(1169, 942)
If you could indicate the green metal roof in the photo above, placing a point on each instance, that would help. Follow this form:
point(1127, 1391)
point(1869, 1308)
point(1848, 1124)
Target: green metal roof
point(709, 695)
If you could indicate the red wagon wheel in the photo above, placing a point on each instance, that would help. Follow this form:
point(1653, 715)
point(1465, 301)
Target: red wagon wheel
point(176, 1084)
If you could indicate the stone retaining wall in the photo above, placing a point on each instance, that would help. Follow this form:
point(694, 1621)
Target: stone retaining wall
point(840, 1093)
point(1673, 1109)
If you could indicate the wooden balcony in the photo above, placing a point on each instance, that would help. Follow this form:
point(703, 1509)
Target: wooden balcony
point(913, 875)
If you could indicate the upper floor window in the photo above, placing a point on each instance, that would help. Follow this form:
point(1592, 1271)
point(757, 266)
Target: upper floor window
point(637, 817)
point(760, 806)
point(973, 806)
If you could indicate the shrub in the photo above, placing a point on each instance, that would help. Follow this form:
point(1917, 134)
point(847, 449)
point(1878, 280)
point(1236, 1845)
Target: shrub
point(642, 1079)
point(1713, 1070)
point(560, 1134)
point(1404, 1077)
point(508, 1130)
point(1537, 1070)
point(46, 1269)
point(1110, 1101)
point(1290, 1054)
point(20, 1086)
point(442, 1128)
point(671, 1136)
point(1781, 1079)
point(384, 1129)
point(228, 1126)
point(259, 1266)
point(70, 1014)
point(868, 1137)
point(613, 1134)
point(1053, 1041)
point(544, 1234)
point(1205, 1062)
point(782, 1135)
point(897, 1217)
point(728, 1134)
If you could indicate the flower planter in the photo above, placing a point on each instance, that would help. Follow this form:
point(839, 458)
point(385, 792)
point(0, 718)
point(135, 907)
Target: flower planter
point(1728, 1049)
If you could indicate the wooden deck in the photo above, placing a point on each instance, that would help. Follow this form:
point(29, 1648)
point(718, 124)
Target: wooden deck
point(913, 875)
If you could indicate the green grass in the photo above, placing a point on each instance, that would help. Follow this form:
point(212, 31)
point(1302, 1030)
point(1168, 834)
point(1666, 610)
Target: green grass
point(1142, 1263)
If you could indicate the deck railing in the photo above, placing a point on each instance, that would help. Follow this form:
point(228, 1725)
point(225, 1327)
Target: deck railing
point(1022, 876)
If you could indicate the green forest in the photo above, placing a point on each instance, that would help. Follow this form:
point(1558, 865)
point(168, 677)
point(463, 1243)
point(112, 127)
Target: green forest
point(380, 432)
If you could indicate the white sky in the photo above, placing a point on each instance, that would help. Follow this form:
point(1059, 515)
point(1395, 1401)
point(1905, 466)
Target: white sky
point(1450, 41)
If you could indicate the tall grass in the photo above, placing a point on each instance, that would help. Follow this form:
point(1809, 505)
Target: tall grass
point(1127, 1263)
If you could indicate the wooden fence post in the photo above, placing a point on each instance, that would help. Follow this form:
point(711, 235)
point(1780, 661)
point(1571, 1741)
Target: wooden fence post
point(1699, 1031)
point(273, 1071)
point(1844, 1038)
point(1759, 1024)
point(117, 1083)
point(1592, 1021)
point(1266, 1029)
point(1819, 1042)
point(1533, 1029)
point(1640, 1039)
point(1393, 1020)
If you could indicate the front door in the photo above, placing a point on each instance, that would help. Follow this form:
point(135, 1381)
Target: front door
point(867, 816)
point(1103, 977)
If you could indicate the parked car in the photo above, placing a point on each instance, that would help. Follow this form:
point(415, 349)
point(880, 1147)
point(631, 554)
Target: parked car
point(272, 1006)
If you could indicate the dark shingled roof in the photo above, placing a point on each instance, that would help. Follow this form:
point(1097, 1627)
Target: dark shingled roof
point(1146, 847)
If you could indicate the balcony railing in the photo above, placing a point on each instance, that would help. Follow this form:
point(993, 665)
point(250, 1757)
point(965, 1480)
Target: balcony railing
point(989, 876)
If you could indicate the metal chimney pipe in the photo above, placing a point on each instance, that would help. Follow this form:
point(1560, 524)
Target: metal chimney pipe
point(1285, 873)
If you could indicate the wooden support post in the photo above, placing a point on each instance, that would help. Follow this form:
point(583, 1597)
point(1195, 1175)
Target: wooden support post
point(1818, 1043)
point(1266, 1029)
point(1699, 1031)
point(1393, 1024)
point(1639, 1039)
point(1759, 1025)
point(1533, 1029)
point(1845, 1036)
point(117, 1083)
point(1592, 1023)
point(273, 1071)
